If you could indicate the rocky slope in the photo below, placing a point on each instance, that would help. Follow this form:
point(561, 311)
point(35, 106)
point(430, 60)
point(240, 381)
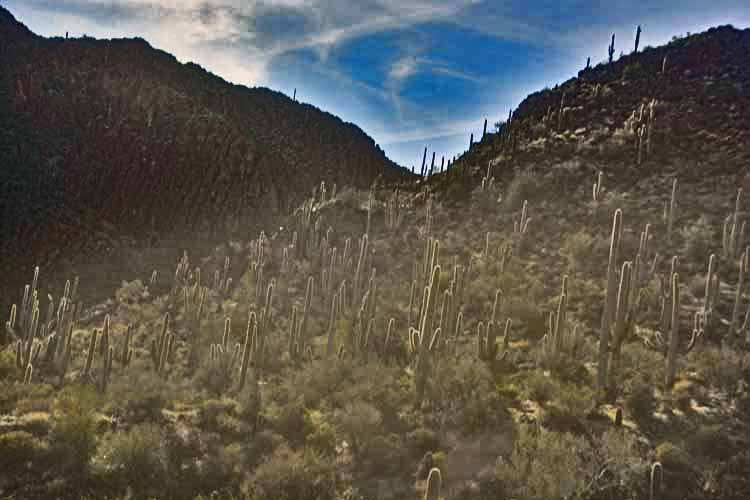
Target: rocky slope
point(102, 140)
point(700, 124)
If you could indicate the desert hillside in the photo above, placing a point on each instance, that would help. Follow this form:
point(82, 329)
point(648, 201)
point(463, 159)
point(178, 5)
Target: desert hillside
point(561, 314)
point(106, 144)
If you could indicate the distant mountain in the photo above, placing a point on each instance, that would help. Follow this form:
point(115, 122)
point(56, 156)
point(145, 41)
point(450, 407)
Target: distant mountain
point(699, 127)
point(105, 139)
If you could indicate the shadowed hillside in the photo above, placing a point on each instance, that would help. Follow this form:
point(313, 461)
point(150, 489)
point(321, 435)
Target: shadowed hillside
point(102, 140)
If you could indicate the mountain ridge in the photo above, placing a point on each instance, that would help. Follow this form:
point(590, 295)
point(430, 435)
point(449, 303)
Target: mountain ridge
point(120, 132)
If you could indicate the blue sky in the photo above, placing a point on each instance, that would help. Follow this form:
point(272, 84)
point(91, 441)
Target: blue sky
point(410, 73)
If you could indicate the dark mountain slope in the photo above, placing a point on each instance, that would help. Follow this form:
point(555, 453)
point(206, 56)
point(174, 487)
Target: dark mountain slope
point(105, 139)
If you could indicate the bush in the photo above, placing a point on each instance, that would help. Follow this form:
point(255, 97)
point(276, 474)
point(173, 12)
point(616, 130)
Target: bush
point(673, 458)
point(20, 398)
point(17, 449)
point(73, 437)
point(585, 252)
point(293, 475)
point(712, 442)
point(141, 395)
point(359, 421)
point(543, 464)
point(541, 388)
point(524, 186)
point(633, 71)
point(136, 459)
point(641, 401)
point(698, 240)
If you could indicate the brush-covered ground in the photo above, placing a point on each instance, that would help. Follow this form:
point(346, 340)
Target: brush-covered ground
point(310, 363)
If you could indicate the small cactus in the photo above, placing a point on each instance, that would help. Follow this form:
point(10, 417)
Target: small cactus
point(434, 484)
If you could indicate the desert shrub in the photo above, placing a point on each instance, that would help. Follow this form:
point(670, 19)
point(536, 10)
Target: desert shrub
point(293, 475)
point(466, 391)
point(287, 417)
point(20, 398)
point(212, 412)
point(641, 400)
point(584, 251)
point(721, 366)
point(73, 438)
point(359, 421)
point(141, 396)
point(212, 378)
point(421, 441)
point(322, 434)
point(137, 459)
point(710, 441)
point(543, 465)
point(673, 458)
point(524, 186)
point(633, 71)
point(131, 293)
point(620, 447)
point(17, 449)
point(385, 456)
point(698, 240)
point(222, 466)
point(9, 371)
point(541, 388)
point(37, 423)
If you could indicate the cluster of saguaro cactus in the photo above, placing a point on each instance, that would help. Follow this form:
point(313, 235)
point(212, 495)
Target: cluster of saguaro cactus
point(421, 338)
point(394, 213)
point(43, 340)
point(641, 124)
point(733, 236)
point(558, 338)
point(622, 302)
point(298, 346)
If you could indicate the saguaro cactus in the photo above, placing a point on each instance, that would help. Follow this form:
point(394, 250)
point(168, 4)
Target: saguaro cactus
point(637, 37)
point(609, 300)
point(434, 484)
point(674, 335)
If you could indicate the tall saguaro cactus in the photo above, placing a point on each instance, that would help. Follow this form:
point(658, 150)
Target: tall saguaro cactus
point(608, 315)
point(674, 335)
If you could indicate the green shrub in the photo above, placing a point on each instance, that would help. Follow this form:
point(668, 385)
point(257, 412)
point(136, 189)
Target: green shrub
point(136, 459)
point(17, 449)
point(293, 475)
point(711, 441)
point(73, 438)
point(524, 186)
point(541, 388)
point(9, 371)
point(698, 241)
point(322, 435)
point(633, 71)
point(641, 400)
point(359, 421)
point(543, 465)
point(673, 458)
point(141, 395)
